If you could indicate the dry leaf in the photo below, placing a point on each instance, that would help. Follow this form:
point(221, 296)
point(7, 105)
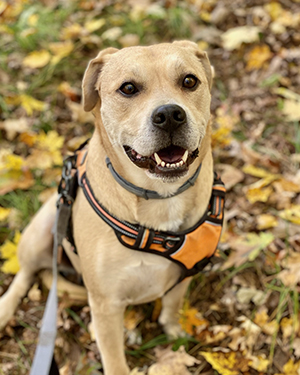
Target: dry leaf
point(233, 38)
point(231, 363)
point(231, 176)
point(247, 248)
point(257, 57)
point(132, 319)
point(14, 126)
point(291, 368)
point(266, 221)
point(8, 252)
point(4, 213)
point(172, 363)
point(291, 214)
point(37, 59)
point(190, 320)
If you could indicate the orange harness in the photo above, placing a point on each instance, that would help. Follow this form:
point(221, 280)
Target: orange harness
point(190, 249)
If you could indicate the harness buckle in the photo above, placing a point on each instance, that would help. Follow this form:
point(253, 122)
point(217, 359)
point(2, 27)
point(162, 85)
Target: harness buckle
point(66, 185)
point(169, 242)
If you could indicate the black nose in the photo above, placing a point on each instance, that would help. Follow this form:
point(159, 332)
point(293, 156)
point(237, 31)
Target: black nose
point(168, 117)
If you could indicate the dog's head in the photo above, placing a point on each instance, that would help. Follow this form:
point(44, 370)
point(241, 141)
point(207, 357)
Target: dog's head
point(155, 104)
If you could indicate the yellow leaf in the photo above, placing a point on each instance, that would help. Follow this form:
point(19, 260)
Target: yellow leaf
point(266, 221)
point(233, 38)
point(37, 59)
point(43, 159)
point(291, 109)
point(94, 25)
point(258, 195)
point(4, 212)
point(31, 104)
point(227, 363)
point(259, 363)
point(190, 319)
point(8, 251)
point(291, 214)
point(274, 9)
point(257, 57)
point(255, 171)
point(291, 368)
point(51, 141)
point(71, 32)
point(60, 50)
point(11, 162)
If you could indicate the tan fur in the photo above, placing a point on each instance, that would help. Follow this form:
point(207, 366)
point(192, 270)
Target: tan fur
point(116, 276)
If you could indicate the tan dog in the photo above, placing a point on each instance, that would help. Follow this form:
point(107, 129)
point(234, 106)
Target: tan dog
point(152, 114)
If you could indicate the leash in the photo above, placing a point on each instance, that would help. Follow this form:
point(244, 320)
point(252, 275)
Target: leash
point(44, 362)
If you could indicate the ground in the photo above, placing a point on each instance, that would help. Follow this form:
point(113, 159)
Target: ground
point(242, 312)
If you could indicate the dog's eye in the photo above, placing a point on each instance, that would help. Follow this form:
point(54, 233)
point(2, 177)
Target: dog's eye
point(128, 89)
point(190, 81)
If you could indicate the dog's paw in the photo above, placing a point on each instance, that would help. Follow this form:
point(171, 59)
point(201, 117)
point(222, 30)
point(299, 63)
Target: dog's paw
point(174, 331)
point(6, 312)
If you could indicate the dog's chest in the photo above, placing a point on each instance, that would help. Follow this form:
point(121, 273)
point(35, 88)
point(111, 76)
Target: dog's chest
point(165, 215)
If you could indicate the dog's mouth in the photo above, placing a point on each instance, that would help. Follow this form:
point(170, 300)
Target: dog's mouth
point(169, 162)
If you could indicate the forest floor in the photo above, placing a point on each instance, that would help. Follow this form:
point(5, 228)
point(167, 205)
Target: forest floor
point(242, 313)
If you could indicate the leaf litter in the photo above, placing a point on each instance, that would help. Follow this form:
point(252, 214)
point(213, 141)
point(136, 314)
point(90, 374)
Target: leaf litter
point(243, 311)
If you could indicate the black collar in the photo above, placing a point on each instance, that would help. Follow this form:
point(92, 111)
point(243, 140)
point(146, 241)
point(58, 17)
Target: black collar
point(149, 194)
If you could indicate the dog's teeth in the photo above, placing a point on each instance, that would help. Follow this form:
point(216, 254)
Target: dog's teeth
point(181, 163)
point(138, 156)
point(177, 165)
point(173, 165)
point(168, 165)
point(163, 164)
point(185, 156)
point(157, 159)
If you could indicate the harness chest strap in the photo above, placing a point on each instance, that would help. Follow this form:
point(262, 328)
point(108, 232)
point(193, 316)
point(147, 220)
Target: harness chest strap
point(190, 249)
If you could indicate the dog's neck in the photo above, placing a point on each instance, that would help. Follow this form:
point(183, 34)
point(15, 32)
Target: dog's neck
point(127, 206)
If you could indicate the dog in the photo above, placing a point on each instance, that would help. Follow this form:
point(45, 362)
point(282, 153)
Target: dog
point(152, 120)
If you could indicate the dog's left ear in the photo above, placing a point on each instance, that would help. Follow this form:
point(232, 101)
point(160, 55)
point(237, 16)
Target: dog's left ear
point(202, 56)
point(90, 94)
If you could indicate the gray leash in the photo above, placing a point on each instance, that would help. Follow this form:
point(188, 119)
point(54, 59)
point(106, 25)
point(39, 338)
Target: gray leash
point(45, 348)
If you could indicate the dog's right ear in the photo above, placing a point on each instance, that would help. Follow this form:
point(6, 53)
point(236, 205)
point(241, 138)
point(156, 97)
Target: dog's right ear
point(90, 93)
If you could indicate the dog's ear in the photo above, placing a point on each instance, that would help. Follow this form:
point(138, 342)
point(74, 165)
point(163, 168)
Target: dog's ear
point(90, 94)
point(202, 56)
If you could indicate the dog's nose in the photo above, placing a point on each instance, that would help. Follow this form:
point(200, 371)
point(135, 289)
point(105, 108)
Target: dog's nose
point(169, 117)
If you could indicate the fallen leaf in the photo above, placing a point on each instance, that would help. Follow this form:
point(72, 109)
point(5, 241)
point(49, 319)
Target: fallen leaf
point(231, 176)
point(262, 319)
point(14, 126)
point(4, 213)
point(94, 25)
point(257, 57)
point(259, 363)
point(291, 368)
point(231, 363)
point(291, 109)
point(191, 319)
point(37, 59)
point(172, 363)
point(258, 195)
point(247, 247)
point(31, 104)
point(60, 50)
point(266, 221)
point(291, 214)
point(132, 319)
point(233, 38)
point(8, 252)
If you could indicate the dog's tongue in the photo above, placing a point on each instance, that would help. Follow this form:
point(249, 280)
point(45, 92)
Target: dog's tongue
point(171, 154)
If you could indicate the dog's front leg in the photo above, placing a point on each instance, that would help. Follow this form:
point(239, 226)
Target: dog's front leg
point(107, 319)
point(171, 304)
